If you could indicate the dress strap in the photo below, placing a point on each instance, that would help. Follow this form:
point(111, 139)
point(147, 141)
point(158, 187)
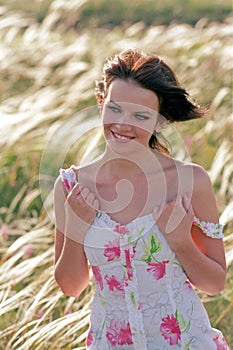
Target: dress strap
point(68, 177)
point(211, 229)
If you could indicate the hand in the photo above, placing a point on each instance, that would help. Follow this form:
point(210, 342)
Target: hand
point(174, 219)
point(81, 207)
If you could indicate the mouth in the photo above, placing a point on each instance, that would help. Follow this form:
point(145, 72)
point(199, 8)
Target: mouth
point(120, 137)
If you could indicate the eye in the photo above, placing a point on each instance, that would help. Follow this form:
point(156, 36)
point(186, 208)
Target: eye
point(114, 109)
point(141, 116)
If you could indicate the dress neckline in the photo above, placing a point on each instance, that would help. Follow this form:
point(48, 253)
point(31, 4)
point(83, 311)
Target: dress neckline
point(211, 229)
point(144, 219)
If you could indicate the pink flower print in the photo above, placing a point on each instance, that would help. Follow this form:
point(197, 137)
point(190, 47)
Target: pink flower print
point(119, 333)
point(158, 270)
point(206, 229)
point(114, 284)
point(67, 185)
point(188, 285)
point(133, 251)
point(89, 338)
point(98, 277)
point(170, 329)
point(112, 250)
point(121, 229)
point(196, 221)
point(220, 343)
point(129, 269)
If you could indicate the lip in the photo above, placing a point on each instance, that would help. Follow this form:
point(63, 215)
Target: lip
point(121, 137)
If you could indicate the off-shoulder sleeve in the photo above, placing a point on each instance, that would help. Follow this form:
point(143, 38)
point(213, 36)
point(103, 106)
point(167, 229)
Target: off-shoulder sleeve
point(209, 228)
point(68, 177)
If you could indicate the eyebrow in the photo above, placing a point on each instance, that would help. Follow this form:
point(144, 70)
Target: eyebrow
point(142, 112)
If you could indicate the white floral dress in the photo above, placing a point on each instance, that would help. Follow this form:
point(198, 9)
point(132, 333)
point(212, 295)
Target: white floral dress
point(143, 299)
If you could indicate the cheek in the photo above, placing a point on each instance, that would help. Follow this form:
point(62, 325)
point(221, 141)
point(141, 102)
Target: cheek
point(106, 131)
point(108, 117)
point(146, 131)
point(143, 134)
point(106, 124)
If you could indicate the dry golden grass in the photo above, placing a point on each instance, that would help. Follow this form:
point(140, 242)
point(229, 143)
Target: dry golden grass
point(47, 76)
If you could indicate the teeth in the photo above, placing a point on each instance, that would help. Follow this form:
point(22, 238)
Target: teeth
point(121, 137)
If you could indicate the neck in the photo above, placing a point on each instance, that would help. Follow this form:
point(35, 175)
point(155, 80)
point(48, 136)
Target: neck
point(120, 165)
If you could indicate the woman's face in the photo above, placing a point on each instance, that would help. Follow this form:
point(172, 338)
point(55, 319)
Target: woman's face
point(130, 115)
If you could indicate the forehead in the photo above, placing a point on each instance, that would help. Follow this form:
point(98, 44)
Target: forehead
point(131, 92)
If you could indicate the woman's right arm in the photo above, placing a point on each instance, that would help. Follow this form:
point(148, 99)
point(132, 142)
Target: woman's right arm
point(73, 216)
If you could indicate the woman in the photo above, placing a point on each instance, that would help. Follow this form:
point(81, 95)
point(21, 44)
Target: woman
point(147, 223)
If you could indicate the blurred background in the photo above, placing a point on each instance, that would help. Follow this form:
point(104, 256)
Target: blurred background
point(51, 52)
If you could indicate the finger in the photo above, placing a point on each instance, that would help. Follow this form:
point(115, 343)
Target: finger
point(177, 214)
point(186, 200)
point(190, 211)
point(72, 184)
point(179, 209)
point(178, 202)
point(190, 207)
point(85, 192)
point(96, 204)
point(157, 211)
point(77, 188)
point(90, 199)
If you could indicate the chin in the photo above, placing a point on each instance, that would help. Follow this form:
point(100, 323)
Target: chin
point(127, 148)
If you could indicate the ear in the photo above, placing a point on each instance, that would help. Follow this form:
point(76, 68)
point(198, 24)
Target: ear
point(101, 103)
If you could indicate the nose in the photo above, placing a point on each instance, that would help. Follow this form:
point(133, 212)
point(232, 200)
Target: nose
point(123, 126)
point(123, 122)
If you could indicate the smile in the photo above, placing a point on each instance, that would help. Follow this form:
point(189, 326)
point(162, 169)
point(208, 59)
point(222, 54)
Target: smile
point(120, 137)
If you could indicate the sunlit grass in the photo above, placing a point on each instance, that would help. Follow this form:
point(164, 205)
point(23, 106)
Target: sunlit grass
point(47, 76)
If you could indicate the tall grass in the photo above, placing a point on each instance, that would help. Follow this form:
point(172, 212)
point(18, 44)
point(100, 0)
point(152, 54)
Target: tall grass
point(47, 86)
point(109, 13)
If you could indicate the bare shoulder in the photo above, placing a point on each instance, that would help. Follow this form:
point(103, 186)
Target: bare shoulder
point(58, 186)
point(85, 173)
point(59, 194)
point(195, 180)
point(201, 182)
point(81, 171)
point(201, 176)
point(194, 173)
point(203, 196)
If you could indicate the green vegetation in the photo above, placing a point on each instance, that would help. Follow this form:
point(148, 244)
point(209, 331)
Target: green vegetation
point(51, 54)
point(152, 12)
point(120, 12)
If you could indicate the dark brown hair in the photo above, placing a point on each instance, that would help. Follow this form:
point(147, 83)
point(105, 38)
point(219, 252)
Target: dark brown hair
point(152, 73)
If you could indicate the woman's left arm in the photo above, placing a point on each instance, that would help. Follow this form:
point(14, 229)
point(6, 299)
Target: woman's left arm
point(202, 257)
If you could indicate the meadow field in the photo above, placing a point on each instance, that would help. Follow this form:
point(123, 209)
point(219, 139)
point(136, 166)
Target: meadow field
point(51, 52)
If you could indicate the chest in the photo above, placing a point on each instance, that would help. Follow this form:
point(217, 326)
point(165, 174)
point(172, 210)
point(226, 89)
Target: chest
point(128, 198)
